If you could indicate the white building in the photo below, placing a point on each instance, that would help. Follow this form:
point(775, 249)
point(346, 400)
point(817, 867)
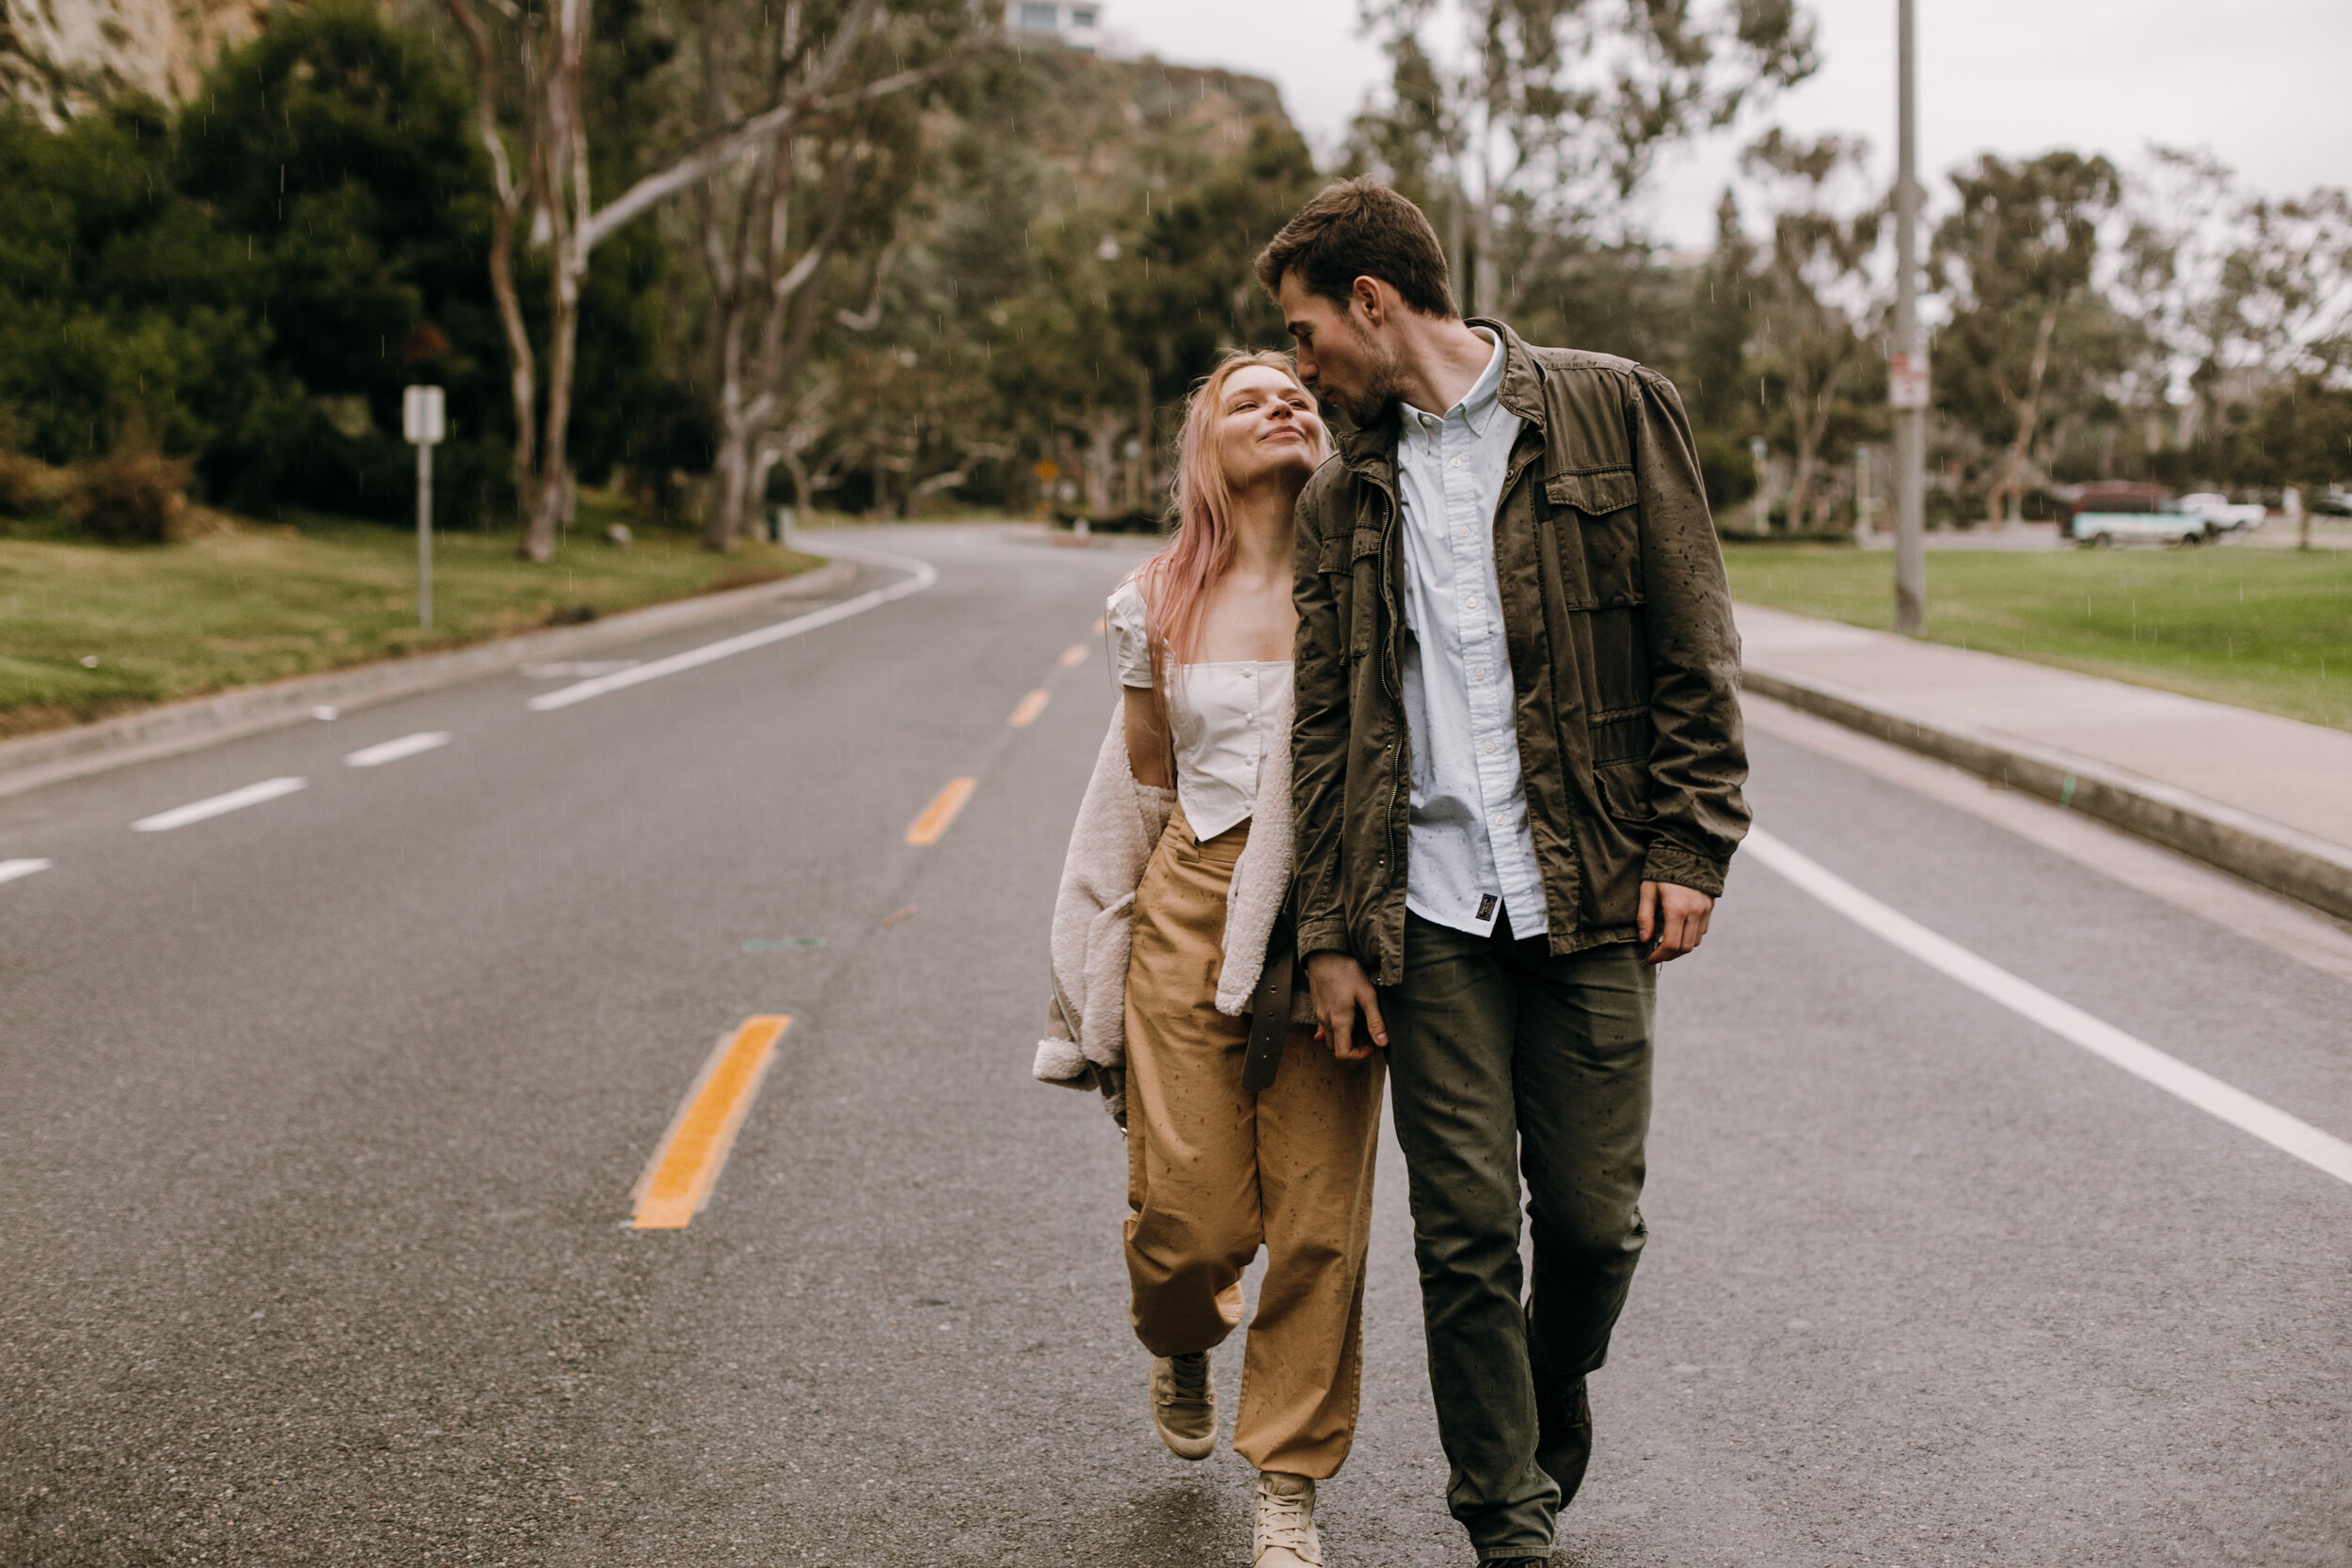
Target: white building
point(1074, 23)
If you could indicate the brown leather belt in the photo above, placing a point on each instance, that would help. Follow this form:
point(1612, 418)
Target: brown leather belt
point(1270, 1008)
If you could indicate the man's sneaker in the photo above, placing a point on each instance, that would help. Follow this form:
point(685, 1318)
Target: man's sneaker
point(1285, 1536)
point(1563, 1436)
point(1183, 1405)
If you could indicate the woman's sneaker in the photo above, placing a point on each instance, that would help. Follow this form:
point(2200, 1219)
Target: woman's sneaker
point(1285, 1536)
point(1183, 1405)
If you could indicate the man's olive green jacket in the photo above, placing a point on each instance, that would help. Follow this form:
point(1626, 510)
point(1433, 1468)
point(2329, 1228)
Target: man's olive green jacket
point(1624, 663)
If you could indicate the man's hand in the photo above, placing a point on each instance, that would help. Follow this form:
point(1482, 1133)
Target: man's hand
point(1673, 915)
point(1340, 987)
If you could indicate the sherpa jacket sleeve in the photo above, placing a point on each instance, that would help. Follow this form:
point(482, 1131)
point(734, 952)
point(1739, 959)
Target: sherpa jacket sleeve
point(1698, 758)
point(1319, 727)
point(1085, 1045)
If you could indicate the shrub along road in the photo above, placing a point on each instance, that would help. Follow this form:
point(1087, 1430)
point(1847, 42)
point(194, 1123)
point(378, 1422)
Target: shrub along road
point(323, 1114)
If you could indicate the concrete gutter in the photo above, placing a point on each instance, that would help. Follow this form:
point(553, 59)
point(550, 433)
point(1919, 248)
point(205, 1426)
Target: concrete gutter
point(52, 756)
point(2272, 854)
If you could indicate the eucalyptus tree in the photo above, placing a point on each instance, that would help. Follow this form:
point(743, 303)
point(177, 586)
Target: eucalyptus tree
point(1817, 297)
point(1536, 120)
point(536, 119)
point(2019, 256)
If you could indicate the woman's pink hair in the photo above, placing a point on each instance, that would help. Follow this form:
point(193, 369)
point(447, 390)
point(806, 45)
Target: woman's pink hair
point(1176, 583)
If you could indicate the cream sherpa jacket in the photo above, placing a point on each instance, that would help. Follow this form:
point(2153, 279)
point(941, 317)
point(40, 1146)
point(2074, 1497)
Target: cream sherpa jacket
point(1119, 823)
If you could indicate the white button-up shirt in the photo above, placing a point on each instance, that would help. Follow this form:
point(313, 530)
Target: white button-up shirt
point(1468, 853)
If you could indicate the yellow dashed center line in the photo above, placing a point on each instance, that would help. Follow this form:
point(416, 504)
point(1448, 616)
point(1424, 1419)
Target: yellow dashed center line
point(1031, 705)
point(686, 1166)
point(1075, 655)
point(941, 811)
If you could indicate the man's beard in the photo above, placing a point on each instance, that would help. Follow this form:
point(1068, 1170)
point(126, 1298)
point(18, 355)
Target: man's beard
point(1384, 382)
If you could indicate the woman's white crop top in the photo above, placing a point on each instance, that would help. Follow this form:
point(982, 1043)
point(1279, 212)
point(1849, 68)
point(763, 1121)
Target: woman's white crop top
point(1216, 711)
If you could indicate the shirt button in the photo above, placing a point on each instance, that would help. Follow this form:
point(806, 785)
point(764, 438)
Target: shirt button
point(1479, 674)
point(1488, 748)
point(1455, 464)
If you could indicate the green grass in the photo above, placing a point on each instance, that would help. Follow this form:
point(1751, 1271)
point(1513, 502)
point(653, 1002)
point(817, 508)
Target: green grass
point(2260, 628)
point(267, 601)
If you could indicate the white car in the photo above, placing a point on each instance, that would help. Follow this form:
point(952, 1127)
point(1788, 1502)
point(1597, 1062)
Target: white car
point(2224, 514)
point(2164, 527)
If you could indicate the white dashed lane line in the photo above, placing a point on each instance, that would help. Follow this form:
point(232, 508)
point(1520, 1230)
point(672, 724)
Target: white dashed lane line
point(11, 870)
point(392, 750)
point(217, 806)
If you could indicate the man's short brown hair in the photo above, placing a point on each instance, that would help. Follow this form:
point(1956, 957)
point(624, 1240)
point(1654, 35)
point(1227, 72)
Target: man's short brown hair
point(1360, 229)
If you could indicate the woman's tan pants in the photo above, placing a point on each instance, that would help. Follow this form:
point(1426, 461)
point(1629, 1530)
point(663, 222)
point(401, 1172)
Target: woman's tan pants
point(1214, 1171)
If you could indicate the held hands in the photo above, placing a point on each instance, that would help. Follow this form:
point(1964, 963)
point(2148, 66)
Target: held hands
point(1339, 988)
point(1673, 916)
point(1672, 922)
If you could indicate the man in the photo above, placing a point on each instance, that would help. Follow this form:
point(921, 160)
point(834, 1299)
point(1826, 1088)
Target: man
point(1516, 768)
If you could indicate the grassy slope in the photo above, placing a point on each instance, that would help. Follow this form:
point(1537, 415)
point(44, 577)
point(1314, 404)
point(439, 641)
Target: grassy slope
point(2261, 629)
point(265, 602)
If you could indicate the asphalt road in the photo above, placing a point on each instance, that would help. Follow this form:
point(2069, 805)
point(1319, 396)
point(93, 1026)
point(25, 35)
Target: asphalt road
point(320, 1118)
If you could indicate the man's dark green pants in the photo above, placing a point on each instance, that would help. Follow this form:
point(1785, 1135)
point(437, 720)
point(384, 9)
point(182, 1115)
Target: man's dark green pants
point(1504, 1060)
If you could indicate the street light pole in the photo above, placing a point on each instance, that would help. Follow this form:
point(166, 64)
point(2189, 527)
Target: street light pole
point(1907, 377)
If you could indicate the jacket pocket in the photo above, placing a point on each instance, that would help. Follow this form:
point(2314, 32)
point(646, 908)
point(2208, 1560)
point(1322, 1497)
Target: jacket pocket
point(1600, 535)
point(1624, 789)
point(1621, 735)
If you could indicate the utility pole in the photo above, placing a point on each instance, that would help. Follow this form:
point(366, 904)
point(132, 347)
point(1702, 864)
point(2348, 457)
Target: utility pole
point(422, 423)
point(1907, 372)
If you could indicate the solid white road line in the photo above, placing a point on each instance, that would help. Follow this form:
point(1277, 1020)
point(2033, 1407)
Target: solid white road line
point(392, 750)
point(217, 806)
point(2136, 1057)
point(923, 574)
point(11, 870)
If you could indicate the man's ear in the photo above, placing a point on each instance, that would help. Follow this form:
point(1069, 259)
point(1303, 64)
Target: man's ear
point(1370, 298)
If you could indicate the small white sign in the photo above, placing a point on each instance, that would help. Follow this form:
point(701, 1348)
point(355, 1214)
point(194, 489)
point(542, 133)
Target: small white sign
point(421, 416)
point(1907, 381)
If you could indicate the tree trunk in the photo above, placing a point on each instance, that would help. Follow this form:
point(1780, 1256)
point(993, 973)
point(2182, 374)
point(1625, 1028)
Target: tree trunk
point(1456, 202)
point(727, 260)
point(550, 508)
point(1103, 430)
point(522, 370)
point(1485, 278)
point(2009, 489)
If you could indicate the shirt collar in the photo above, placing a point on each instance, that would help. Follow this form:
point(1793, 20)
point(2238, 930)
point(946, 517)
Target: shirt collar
point(1478, 403)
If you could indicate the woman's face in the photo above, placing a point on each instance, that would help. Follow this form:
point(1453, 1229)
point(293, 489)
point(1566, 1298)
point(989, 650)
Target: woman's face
point(1266, 428)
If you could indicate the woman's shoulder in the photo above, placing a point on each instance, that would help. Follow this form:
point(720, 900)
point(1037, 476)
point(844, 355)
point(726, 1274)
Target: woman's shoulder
point(1125, 619)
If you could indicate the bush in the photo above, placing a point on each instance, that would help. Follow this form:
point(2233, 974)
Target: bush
point(1725, 467)
point(28, 486)
point(129, 497)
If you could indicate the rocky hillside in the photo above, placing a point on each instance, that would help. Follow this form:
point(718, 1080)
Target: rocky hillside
point(59, 57)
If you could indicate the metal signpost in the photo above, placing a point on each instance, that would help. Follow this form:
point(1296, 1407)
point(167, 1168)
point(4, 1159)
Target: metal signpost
point(422, 423)
point(1907, 371)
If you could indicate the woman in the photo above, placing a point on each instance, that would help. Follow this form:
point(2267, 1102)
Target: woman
point(1178, 869)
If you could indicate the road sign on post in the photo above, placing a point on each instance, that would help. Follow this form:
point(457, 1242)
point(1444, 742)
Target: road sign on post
point(422, 422)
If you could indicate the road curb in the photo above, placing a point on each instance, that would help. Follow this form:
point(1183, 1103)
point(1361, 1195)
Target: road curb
point(53, 756)
point(2271, 854)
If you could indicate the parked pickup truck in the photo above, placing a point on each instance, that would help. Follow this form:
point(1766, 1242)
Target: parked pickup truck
point(2222, 513)
point(2166, 525)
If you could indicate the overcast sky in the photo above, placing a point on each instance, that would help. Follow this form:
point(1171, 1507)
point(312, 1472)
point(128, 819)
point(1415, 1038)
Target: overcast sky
point(2265, 84)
